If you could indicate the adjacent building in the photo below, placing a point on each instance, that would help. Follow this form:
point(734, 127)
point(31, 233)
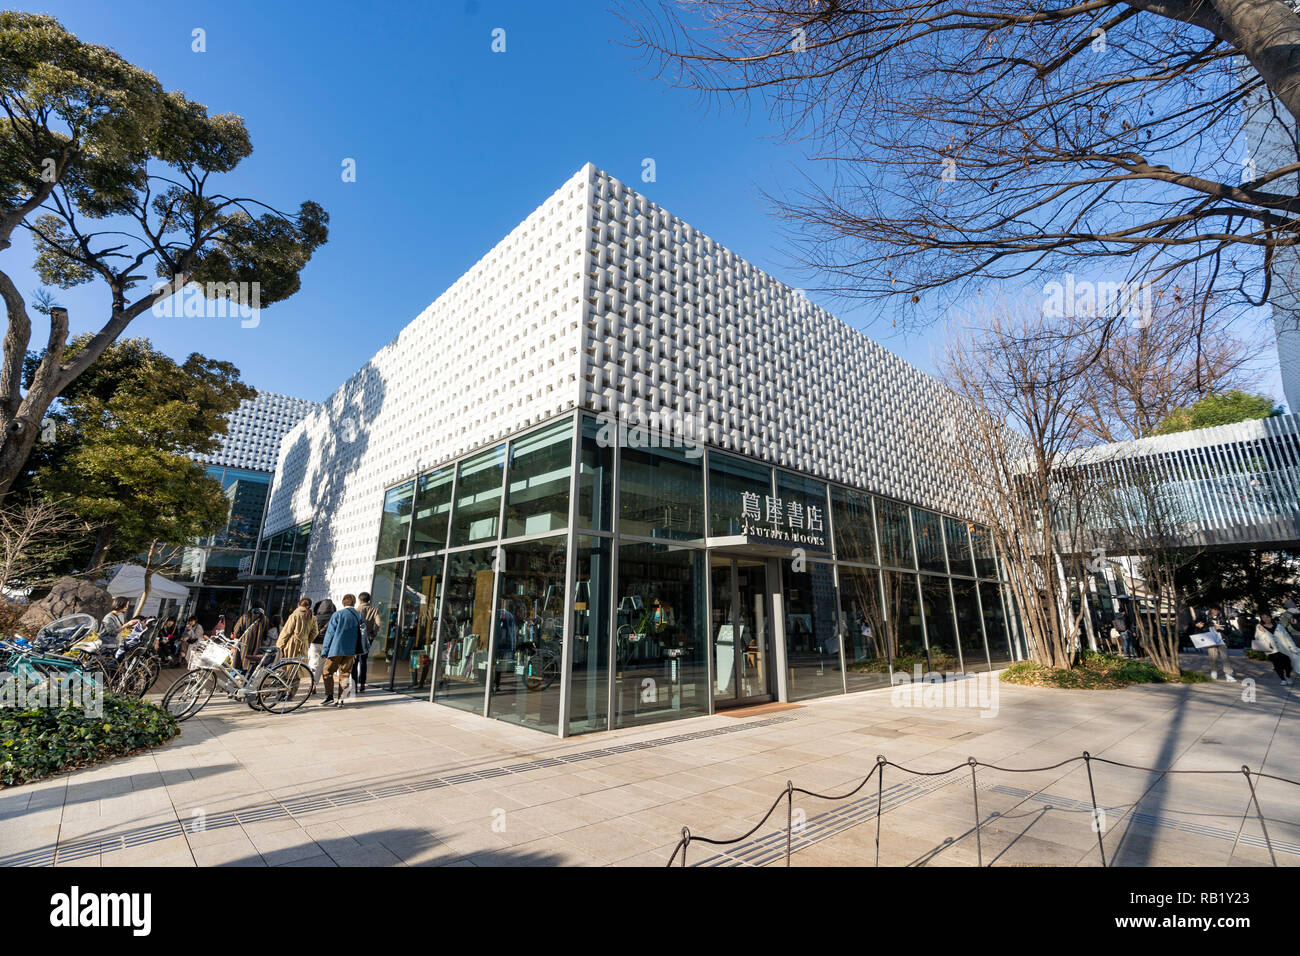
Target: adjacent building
point(243, 464)
point(616, 474)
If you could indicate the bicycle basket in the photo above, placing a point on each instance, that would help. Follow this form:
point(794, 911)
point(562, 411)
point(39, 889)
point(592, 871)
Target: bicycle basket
point(216, 655)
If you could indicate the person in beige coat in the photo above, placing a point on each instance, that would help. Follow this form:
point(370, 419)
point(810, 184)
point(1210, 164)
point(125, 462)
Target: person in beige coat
point(298, 632)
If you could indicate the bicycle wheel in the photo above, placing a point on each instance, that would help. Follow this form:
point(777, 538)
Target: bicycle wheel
point(272, 693)
point(134, 678)
point(93, 668)
point(186, 697)
point(299, 686)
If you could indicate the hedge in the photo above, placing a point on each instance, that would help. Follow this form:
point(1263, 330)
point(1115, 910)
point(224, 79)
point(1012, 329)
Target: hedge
point(44, 741)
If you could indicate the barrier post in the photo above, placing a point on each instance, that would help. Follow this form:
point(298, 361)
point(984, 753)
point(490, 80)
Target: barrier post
point(880, 798)
point(789, 817)
point(1096, 820)
point(1254, 798)
point(975, 794)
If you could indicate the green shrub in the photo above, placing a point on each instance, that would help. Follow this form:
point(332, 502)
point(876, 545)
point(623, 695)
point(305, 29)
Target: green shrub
point(1095, 671)
point(43, 741)
point(1255, 655)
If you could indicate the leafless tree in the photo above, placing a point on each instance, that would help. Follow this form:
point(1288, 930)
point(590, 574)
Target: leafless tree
point(993, 140)
point(35, 536)
point(1021, 390)
point(1137, 512)
point(1148, 369)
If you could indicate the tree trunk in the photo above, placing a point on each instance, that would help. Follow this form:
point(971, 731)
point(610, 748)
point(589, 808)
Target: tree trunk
point(148, 577)
point(103, 539)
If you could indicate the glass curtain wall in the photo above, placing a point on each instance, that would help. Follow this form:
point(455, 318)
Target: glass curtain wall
point(589, 688)
point(461, 671)
point(862, 629)
point(415, 633)
point(660, 665)
point(529, 648)
point(811, 631)
point(474, 559)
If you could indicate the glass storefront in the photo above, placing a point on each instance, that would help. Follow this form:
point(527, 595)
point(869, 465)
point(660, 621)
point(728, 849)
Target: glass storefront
point(589, 681)
point(661, 671)
point(465, 627)
point(644, 588)
point(413, 634)
point(529, 646)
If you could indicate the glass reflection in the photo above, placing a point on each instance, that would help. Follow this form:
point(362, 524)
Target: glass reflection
point(855, 536)
point(960, 560)
point(417, 629)
point(895, 534)
point(862, 629)
point(903, 631)
point(393, 525)
point(466, 616)
point(660, 668)
point(995, 623)
point(811, 632)
point(595, 479)
point(478, 497)
point(661, 493)
point(589, 693)
point(537, 500)
point(928, 531)
point(384, 595)
point(432, 511)
point(729, 479)
point(529, 643)
point(970, 630)
point(940, 628)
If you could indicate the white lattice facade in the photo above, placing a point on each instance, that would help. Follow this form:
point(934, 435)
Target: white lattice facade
point(601, 299)
point(255, 429)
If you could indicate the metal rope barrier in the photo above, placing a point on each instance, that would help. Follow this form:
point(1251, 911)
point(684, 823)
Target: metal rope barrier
point(878, 771)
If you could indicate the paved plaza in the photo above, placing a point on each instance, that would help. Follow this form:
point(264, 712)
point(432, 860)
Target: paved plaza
point(396, 781)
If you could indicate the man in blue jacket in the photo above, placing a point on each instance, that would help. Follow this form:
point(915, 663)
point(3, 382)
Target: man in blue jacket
point(343, 642)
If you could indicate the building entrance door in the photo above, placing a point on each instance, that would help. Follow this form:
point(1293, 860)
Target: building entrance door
point(742, 631)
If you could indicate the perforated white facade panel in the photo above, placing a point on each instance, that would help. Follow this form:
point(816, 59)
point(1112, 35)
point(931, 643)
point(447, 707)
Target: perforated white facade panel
point(604, 300)
point(254, 431)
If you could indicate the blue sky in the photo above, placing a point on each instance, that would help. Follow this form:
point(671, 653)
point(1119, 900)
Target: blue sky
point(454, 145)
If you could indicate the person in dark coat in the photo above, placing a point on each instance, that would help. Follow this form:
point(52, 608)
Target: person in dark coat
point(323, 611)
point(250, 632)
point(342, 643)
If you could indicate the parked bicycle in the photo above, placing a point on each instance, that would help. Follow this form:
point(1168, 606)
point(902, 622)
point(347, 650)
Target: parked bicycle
point(20, 660)
point(277, 685)
point(129, 667)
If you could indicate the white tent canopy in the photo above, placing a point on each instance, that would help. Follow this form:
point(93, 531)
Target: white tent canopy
point(128, 582)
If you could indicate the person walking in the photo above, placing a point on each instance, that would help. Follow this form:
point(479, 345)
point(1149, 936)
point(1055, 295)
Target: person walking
point(323, 611)
point(1217, 651)
point(1266, 641)
point(1287, 635)
point(373, 625)
point(343, 641)
point(249, 631)
point(1120, 624)
point(298, 632)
